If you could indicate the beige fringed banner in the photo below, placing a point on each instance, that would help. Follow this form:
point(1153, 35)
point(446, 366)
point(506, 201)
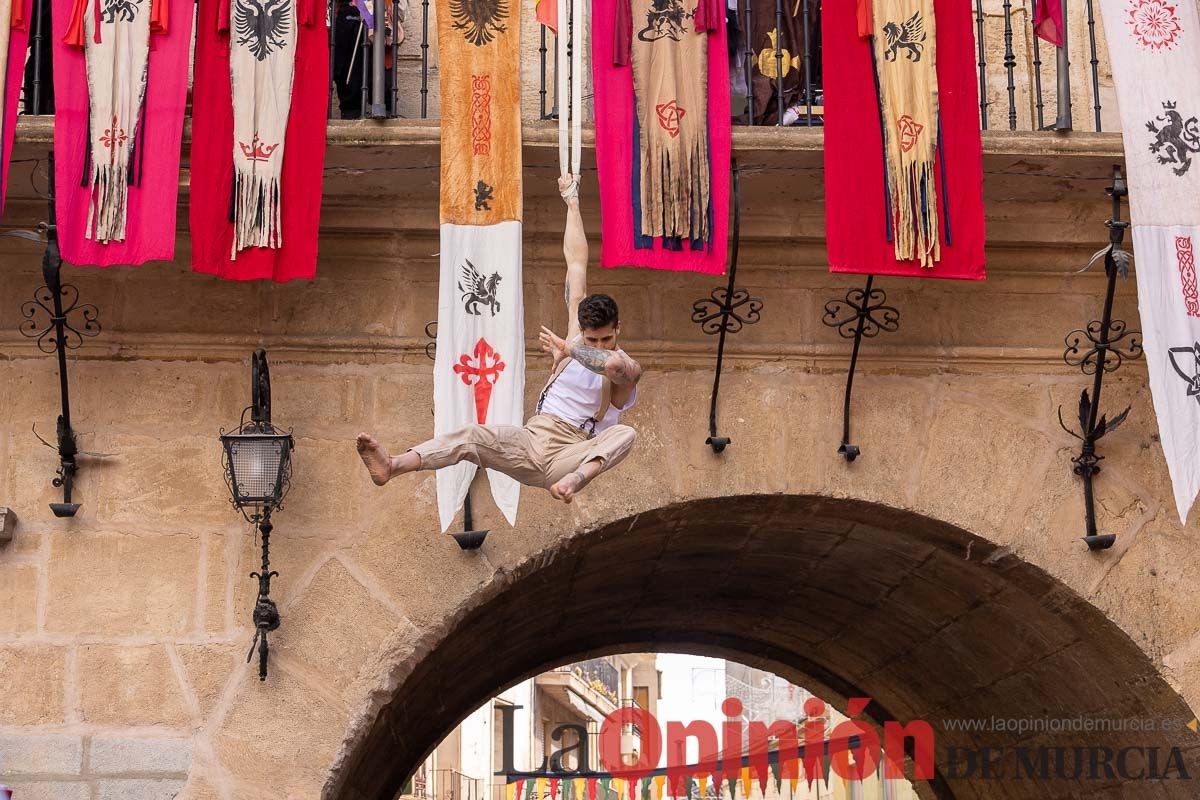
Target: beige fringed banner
point(906, 67)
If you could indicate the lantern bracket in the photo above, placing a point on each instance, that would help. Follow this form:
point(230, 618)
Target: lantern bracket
point(260, 387)
point(862, 313)
point(1101, 348)
point(724, 312)
point(58, 322)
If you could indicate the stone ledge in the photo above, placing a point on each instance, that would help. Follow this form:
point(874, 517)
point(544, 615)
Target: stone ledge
point(544, 134)
point(812, 357)
point(8, 523)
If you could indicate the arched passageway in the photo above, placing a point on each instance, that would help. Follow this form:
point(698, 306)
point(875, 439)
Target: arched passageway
point(848, 597)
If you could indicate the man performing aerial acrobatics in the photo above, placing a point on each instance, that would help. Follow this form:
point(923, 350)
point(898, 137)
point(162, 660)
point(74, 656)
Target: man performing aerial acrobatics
point(574, 434)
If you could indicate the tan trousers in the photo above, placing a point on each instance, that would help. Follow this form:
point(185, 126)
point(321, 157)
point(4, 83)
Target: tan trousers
point(540, 454)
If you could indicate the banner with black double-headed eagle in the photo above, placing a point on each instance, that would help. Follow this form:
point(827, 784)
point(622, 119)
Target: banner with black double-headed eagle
point(479, 375)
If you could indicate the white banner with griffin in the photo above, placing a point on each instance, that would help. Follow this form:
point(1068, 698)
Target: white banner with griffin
point(262, 59)
point(117, 50)
point(1155, 51)
point(479, 374)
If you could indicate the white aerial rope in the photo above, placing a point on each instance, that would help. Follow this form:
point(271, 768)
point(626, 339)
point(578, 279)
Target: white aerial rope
point(569, 74)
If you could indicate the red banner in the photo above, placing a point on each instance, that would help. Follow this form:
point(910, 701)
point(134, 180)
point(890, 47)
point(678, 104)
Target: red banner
point(856, 217)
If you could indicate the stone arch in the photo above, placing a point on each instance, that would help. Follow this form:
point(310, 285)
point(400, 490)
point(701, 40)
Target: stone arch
point(851, 597)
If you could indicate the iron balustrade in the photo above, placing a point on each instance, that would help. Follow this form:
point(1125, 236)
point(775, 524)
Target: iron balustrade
point(364, 84)
point(633, 727)
point(451, 784)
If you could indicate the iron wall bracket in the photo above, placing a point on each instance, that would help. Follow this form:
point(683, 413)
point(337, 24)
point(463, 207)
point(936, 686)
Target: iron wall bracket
point(726, 311)
point(862, 313)
point(58, 322)
point(1101, 348)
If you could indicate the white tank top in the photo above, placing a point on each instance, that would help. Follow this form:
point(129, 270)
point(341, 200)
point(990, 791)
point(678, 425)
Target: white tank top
point(575, 395)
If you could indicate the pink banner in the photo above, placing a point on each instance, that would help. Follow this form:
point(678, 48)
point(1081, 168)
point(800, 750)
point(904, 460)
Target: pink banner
point(615, 118)
point(150, 226)
point(18, 43)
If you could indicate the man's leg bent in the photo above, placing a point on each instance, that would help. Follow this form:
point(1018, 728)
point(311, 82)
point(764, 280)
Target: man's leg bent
point(580, 464)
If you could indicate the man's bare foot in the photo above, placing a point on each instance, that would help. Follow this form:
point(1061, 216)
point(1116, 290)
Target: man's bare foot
point(378, 462)
point(566, 488)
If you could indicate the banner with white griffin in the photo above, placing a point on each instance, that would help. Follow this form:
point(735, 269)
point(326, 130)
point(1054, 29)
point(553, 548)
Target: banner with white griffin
point(479, 376)
point(1155, 51)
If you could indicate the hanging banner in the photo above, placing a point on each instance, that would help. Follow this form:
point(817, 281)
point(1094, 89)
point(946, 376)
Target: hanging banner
point(479, 374)
point(661, 76)
point(120, 90)
point(903, 156)
point(778, 50)
point(1155, 52)
point(14, 41)
point(258, 132)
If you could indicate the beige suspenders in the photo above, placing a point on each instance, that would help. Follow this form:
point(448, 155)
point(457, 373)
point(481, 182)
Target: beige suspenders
point(589, 425)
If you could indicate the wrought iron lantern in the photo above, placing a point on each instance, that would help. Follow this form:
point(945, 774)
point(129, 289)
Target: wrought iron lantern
point(258, 471)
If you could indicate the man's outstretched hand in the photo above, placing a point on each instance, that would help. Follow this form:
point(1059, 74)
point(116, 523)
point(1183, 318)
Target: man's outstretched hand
point(553, 344)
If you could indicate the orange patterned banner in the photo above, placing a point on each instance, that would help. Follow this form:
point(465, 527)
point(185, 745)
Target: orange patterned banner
point(479, 57)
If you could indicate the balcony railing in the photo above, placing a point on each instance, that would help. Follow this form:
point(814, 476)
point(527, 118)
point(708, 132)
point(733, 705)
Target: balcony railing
point(1025, 84)
point(600, 676)
point(632, 728)
point(450, 784)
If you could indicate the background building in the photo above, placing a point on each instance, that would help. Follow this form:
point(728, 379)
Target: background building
point(467, 764)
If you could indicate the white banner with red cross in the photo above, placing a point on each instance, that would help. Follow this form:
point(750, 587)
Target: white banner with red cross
point(479, 374)
point(1155, 50)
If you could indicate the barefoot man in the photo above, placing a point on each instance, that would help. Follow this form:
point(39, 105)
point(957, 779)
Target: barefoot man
point(574, 434)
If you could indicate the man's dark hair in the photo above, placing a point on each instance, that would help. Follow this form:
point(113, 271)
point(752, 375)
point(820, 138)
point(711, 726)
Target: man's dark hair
point(597, 311)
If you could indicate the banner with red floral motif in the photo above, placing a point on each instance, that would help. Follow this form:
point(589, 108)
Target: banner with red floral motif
point(1155, 50)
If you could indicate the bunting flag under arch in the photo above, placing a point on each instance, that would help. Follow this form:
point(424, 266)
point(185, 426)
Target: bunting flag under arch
point(479, 373)
point(258, 132)
point(1155, 50)
point(903, 155)
point(14, 42)
point(120, 90)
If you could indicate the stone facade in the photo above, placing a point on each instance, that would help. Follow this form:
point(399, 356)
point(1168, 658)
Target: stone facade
point(940, 573)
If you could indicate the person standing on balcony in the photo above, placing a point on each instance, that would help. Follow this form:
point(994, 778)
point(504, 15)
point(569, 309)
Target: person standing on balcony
point(575, 433)
point(351, 70)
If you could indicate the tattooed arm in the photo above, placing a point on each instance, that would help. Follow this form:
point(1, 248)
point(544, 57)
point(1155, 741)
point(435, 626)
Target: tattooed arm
point(615, 365)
